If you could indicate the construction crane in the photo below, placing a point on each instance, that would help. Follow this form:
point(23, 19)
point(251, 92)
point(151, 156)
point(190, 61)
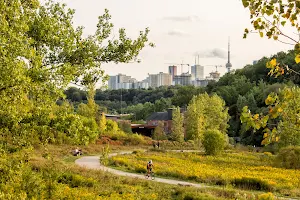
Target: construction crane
point(215, 66)
point(182, 64)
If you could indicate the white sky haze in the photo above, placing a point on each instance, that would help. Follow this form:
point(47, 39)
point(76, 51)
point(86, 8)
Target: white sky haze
point(179, 29)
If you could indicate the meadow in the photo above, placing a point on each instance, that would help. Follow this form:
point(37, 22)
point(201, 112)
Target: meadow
point(51, 172)
point(244, 170)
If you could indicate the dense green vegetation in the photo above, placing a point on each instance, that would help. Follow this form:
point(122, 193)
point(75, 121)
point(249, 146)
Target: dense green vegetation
point(249, 86)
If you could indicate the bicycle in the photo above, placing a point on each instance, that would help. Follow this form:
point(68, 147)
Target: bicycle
point(151, 175)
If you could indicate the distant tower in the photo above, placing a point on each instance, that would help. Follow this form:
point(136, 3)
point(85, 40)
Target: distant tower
point(197, 71)
point(228, 64)
point(173, 71)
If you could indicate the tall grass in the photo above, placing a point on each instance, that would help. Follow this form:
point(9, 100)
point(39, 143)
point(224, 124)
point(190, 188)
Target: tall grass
point(245, 170)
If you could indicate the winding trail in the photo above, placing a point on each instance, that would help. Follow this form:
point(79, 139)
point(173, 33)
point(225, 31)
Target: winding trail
point(92, 162)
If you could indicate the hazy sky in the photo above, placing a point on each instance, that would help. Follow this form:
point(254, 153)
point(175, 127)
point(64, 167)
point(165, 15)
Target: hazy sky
point(180, 29)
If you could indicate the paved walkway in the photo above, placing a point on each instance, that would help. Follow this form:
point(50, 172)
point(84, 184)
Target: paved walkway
point(92, 162)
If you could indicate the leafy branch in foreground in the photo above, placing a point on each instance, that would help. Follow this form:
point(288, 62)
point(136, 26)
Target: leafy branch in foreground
point(269, 18)
point(41, 53)
point(283, 107)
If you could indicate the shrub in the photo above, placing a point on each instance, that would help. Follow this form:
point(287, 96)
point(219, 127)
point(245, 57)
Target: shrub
point(231, 141)
point(138, 152)
point(266, 196)
point(134, 139)
point(77, 129)
point(112, 126)
point(104, 155)
point(125, 126)
point(252, 184)
point(289, 157)
point(118, 135)
point(214, 142)
point(268, 153)
point(266, 157)
point(140, 169)
point(74, 180)
point(17, 179)
point(159, 133)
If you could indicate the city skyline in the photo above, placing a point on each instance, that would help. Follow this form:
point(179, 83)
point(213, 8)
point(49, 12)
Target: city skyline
point(180, 30)
point(194, 77)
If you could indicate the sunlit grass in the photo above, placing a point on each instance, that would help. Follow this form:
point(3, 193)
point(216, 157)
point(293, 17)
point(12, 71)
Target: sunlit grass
point(230, 168)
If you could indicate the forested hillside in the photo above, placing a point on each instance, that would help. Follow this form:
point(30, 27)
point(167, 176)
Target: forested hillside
point(248, 86)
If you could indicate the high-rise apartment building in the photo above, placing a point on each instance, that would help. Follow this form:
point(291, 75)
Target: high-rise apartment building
point(173, 71)
point(122, 78)
point(197, 72)
point(153, 80)
point(140, 85)
point(113, 82)
point(161, 79)
point(165, 79)
point(183, 79)
point(121, 81)
point(200, 82)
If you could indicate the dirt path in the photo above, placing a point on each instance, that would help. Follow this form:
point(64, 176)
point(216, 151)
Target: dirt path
point(92, 162)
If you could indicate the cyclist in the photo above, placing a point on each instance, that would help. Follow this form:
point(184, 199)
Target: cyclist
point(149, 167)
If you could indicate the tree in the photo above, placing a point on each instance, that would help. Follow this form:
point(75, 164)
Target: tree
point(177, 132)
point(247, 100)
point(241, 103)
point(185, 94)
point(140, 111)
point(41, 53)
point(125, 126)
point(91, 108)
point(84, 110)
point(206, 112)
point(102, 123)
point(112, 127)
point(162, 104)
point(159, 132)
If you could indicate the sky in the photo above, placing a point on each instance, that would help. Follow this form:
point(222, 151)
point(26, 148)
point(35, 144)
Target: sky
point(180, 30)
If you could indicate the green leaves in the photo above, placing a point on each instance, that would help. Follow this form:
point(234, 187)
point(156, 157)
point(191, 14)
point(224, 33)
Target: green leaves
point(177, 132)
point(41, 53)
point(205, 112)
point(261, 34)
point(283, 23)
point(283, 107)
point(245, 3)
point(271, 99)
point(269, 18)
